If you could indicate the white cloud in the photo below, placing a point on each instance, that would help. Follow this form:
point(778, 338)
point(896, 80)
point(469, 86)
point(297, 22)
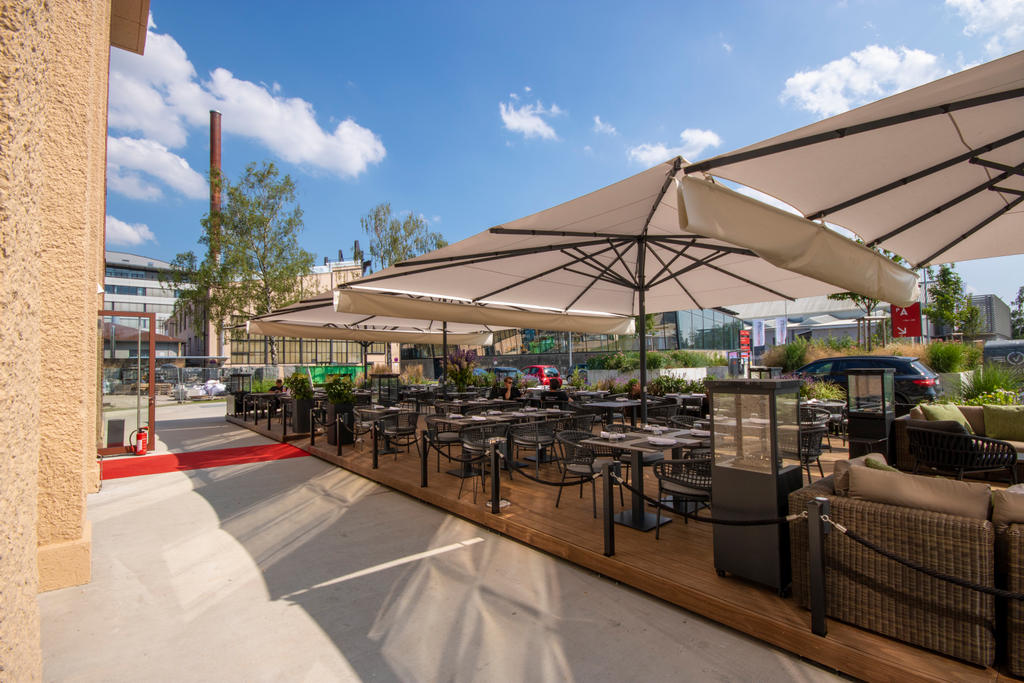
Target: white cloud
point(1002, 21)
point(604, 127)
point(727, 47)
point(694, 142)
point(861, 77)
point(529, 119)
point(127, 156)
point(119, 232)
point(160, 96)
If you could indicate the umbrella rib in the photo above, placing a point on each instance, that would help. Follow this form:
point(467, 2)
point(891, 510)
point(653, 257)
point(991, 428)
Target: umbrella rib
point(726, 159)
point(686, 291)
point(631, 274)
point(743, 279)
point(871, 194)
point(492, 255)
point(677, 163)
point(952, 202)
point(973, 230)
point(597, 265)
point(692, 266)
point(592, 282)
point(610, 279)
point(653, 280)
point(575, 259)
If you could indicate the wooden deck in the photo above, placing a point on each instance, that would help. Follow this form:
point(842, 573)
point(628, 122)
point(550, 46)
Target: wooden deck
point(677, 568)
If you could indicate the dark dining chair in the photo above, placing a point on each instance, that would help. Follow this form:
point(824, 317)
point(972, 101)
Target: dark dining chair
point(583, 461)
point(399, 428)
point(475, 442)
point(688, 480)
point(440, 435)
point(537, 436)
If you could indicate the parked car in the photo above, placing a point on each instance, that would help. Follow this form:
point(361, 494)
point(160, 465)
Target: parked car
point(915, 382)
point(500, 372)
point(541, 374)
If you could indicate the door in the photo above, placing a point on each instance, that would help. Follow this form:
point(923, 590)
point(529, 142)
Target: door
point(127, 389)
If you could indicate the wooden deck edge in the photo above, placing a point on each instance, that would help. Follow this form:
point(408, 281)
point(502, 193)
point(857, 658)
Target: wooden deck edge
point(828, 651)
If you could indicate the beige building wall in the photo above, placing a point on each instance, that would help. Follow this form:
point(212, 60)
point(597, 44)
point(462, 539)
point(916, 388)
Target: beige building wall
point(53, 107)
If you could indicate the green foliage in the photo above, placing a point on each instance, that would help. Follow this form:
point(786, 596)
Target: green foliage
point(486, 379)
point(260, 386)
point(950, 304)
point(340, 390)
point(999, 397)
point(630, 360)
point(576, 379)
point(298, 383)
point(460, 368)
point(839, 343)
point(1017, 315)
point(821, 389)
point(952, 357)
point(794, 355)
point(393, 240)
point(991, 378)
point(253, 261)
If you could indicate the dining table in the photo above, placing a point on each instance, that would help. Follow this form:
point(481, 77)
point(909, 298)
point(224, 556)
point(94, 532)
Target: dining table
point(611, 406)
point(639, 445)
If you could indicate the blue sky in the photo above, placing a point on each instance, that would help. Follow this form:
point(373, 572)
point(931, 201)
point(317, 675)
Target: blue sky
point(476, 113)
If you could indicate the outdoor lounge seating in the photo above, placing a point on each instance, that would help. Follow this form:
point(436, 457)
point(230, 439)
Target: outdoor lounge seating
point(975, 416)
point(868, 590)
point(935, 447)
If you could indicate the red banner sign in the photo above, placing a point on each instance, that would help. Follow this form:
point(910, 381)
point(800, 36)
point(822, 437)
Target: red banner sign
point(906, 322)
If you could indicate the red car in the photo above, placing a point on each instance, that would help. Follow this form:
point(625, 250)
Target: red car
point(541, 373)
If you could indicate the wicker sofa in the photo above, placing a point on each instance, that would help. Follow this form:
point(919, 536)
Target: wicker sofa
point(870, 591)
point(902, 458)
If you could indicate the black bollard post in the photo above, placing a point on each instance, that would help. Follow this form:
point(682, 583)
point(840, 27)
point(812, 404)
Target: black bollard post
point(284, 420)
point(816, 530)
point(376, 446)
point(495, 479)
point(424, 456)
point(338, 423)
point(607, 510)
point(312, 430)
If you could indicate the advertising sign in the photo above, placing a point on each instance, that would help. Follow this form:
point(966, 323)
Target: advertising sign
point(906, 322)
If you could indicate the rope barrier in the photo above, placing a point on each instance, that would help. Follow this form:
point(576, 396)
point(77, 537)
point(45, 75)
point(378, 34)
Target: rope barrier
point(710, 520)
point(916, 566)
point(521, 469)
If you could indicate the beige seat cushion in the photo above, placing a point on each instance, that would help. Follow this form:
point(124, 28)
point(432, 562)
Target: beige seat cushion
point(1008, 505)
point(841, 473)
point(976, 416)
point(961, 498)
point(916, 413)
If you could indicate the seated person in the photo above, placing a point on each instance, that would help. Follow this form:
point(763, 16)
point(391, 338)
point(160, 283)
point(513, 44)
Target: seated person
point(555, 393)
point(507, 393)
point(278, 386)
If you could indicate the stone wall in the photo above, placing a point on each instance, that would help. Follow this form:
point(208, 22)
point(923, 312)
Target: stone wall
point(53, 67)
point(22, 108)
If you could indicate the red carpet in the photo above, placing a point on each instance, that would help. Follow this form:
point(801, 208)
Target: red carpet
point(118, 468)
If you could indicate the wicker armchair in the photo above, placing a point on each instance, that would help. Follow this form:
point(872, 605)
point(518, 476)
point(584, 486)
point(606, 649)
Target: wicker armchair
point(475, 449)
point(959, 453)
point(867, 590)
point(688, 480)
point(399, 429)
point(440, 435)
point(1010, 547)
point(682, 421)
point(580, 422)
point(582, 462)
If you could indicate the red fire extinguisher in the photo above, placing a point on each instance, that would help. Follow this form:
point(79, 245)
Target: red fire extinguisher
point(138, 447)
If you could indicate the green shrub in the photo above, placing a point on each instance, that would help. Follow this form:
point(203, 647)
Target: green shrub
point(339, 390)
point(298, 383)
point(999, 397)
point(990, 379)
point(951, 357)
point(822, 389)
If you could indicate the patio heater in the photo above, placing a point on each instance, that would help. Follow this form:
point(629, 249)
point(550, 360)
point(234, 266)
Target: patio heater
point(871, 409)
point(239, 384)
point(755, 426)
point(384, 388)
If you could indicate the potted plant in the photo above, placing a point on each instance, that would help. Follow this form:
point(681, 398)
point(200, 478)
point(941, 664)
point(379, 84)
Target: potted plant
point(341, 402)
point(460, 368)
point(302, 391)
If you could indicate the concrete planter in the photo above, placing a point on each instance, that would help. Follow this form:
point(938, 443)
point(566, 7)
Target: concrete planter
point(951, 383)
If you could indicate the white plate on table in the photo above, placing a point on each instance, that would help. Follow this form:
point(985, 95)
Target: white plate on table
point(376, 407)
point(478, 418)
point(660, 441)
point(700, 433)
point(622, 399)
point(454, 416)
point(494, 412)
point(529, 410)
point(552, 410)
point(613, 436)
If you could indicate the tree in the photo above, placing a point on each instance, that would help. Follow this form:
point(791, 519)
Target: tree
point(254, 263)
point(392, 240)
point(1017, 315)
point(950, 305)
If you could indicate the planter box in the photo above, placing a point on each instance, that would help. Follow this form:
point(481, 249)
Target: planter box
point(595, 376)
point(950, 383)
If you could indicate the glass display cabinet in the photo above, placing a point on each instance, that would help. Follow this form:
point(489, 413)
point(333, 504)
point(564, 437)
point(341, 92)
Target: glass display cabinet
point(871, 409)
point(384, 389)
point(755, 436)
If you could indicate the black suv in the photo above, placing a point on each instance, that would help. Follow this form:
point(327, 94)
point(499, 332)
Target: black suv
point(915, 382)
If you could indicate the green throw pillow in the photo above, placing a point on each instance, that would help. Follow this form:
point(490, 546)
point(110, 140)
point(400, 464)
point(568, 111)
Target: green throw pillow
point(947, 411)
point(1004, 422)
point(879, 465)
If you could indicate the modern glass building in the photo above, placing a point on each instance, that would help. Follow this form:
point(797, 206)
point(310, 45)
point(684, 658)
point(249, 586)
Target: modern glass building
point(132, 283)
